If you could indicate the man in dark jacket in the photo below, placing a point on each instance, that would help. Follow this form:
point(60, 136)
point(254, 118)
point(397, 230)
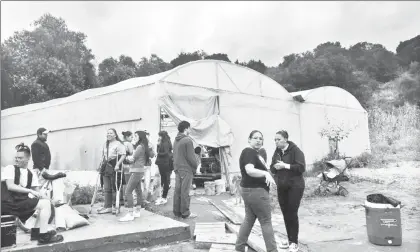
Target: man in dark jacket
point(185, 166)
point(41, 155)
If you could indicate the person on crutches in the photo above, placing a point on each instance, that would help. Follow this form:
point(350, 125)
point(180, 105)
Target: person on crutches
point(114, 153)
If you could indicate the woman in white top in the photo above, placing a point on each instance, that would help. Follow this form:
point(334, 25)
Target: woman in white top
point(113, 152)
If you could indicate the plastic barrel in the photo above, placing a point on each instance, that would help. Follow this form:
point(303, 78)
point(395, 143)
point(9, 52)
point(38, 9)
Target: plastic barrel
point(8, 230)
point(220, 186)
point(383, 223)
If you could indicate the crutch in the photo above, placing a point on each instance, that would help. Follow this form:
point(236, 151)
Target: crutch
point(118, 188)
point(94, 194)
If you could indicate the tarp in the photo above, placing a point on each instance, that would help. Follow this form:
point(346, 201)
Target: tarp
point(207, 127)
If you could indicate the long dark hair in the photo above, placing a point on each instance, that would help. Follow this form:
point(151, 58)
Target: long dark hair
point(126, 134)
point(143, 141)
point(165, 137)
point(116, 137)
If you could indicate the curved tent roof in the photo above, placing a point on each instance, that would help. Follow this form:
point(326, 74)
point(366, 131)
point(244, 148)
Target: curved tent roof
point(329, 95)
point(210, 74)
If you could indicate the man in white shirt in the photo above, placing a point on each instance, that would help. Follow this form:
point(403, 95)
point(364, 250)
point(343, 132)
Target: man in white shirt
point(20, 182)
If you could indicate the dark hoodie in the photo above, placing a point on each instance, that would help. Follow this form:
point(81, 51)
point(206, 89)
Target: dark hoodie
point(41, 155)
point(293, 156)
point(164, 152)
point(184, 156)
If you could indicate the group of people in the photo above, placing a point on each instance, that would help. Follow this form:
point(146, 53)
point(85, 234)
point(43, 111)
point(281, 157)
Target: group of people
point(287, 167)
point(20, 192)
point(132, 157)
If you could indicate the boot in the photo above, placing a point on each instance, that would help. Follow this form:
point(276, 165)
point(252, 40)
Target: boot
point(48, 238)
point(35, 233)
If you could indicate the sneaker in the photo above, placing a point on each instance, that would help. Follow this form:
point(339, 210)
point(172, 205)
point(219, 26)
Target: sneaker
point(105, 210)
point(191, 216)
point(136, 213)
point(284, 244)
point(161, 201)
point(293, 247)
point(127, 217)
point(48, 238)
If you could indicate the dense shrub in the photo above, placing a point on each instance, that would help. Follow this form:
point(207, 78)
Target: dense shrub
point(83, 195)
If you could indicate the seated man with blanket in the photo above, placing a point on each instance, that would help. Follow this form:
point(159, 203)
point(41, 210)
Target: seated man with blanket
point(19, 182)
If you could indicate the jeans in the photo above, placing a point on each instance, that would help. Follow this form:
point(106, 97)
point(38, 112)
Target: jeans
point(165, 176)
point(257, 205)
point(134, 183)
point(289, 197)
point(183, 181)
point(109, 191)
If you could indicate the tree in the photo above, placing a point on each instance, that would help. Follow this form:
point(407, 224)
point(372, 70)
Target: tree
point(409, 84)
point(376, 60)
point(288, 59)
point(112, 71)
point(127, 61)
point(47, 62)
point(218, 56)
point(409, 51)
point(258, 66)
point(183, 58)
point(151, 66)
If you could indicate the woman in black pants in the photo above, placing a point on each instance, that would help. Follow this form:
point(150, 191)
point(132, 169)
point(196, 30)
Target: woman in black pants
point(288, 166)
point(255, 184)
point(163, 161)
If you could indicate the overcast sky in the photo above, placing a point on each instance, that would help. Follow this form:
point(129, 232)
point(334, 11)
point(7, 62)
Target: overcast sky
point(243, 30)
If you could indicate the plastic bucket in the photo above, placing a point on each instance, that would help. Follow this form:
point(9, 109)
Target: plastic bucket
point(209, 188)
point(383, 224)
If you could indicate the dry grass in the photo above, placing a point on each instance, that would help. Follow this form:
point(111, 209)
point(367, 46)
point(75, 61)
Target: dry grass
point(395, 134)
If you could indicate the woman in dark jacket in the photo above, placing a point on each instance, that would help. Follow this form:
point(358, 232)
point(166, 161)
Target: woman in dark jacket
point(164, 162)
point(288, 166)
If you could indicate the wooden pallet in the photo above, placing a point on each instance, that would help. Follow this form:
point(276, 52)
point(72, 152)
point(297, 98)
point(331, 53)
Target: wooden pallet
point(208, 234)
point(209, 227)
point(222, 248)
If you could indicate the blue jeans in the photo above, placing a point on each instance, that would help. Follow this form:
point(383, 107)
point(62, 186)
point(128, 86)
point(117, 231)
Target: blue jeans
point(257, 205)
point(183, 182)
point(134, 183)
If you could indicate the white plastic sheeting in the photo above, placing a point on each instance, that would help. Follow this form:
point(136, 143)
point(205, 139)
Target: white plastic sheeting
point(340, 108)
point(247, 100)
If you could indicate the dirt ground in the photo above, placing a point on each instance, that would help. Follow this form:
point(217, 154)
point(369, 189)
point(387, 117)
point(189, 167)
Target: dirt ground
point(332, 223)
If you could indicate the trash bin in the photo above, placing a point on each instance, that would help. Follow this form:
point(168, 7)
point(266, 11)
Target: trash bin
point(8, 230)
point(383, 220)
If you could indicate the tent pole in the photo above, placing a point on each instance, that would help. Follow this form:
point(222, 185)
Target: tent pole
point(160, 118)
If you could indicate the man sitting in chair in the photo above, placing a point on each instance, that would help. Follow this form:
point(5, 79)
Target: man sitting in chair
point(19, 182)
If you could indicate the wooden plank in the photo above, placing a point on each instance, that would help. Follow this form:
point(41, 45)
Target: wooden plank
point(256, 241)
point(209, 227)
point(206, 241)
point(222, 248)
point(228, 212)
